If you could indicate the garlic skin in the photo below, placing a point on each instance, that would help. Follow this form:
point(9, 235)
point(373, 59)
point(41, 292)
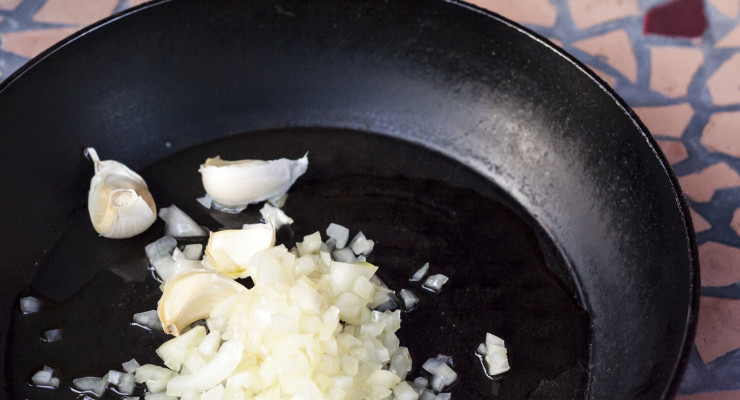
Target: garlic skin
point(229, 251)
point(235, 184)
point(190, 296)
point(119, 201)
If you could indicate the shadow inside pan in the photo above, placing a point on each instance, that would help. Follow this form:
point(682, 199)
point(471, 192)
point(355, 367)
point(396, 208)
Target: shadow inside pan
point(419, 206)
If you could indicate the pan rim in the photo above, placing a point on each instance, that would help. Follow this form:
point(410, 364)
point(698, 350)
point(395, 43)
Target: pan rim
point(689, 330)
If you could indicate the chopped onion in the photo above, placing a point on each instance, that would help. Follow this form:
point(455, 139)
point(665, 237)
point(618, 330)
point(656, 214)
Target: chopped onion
point(205, 201)
point(443, 396)
point(148, 319)
point(431, 365)
point(45, 378)
point(193, 251)
point(344, 255)
point(435, 282)
point(158, 396)
point(217, 370)
point(154, 376)
point(126, 384)
point(179, 224)
point(53, 335)
point(420, 273)
point(361, 245)
point(443, 376)
point(427, 395)
point(30, 305)
point(494, 354)
point(91, 384)
point(339, 233)
point(410, 300)
point(421, 382)
point(275, 216)
point(401, 362)
point(404, 391)
point(130, 365)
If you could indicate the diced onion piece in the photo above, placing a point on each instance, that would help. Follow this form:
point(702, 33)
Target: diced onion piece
point(494, 354)
point(160, 247)
point(173, 351)
point(435, 282)
point(410, 300)
point(155, 377)
point(420, 273)
point(401, 362)
point(217, 370)
point(131, 398)
point(30, 305)
point(442, 377)
point(193, 251)
point(158, 396)
point(148, 319)
point(274, 215)
point(311, 244)
point(361, 245)
point(344, 255)
point(53, 335)
point(130, 365)
point(45, 378)
point(443, 396)
point(404, 391)
point(179, 224)
point(126, 384)
point(339, 233)
point(205, 201)
point(91, 384)
point(421, 382)
point(114, 377)
point(427, 395)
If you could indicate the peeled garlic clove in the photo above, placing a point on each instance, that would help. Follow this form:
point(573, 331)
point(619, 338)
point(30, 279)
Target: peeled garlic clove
point(229, 251)
point(234, 184)
point(190, 296)
point(119, 201)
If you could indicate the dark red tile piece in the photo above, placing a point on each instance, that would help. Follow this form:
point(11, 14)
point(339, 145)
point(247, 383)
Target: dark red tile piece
point(676, 18)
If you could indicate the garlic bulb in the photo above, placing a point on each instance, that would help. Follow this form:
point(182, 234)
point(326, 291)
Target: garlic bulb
point(190, 296)
point(234, 184)
point(229, 251)
point(119, 201)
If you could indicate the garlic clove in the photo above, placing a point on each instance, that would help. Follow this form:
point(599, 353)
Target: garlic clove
point(190, 296)
point(234, 184)
point(119, 201)
point(229, 251)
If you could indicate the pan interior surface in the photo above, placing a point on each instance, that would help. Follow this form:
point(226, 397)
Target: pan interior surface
point(417, 205)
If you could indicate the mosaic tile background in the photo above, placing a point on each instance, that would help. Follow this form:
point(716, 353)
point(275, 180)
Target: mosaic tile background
point(676, 62)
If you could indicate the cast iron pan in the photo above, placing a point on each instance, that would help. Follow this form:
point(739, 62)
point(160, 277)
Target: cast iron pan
point(446, 133)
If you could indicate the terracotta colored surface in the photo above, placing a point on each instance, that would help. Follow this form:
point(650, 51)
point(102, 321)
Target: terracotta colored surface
point(718, 264)
point(732, 39)
point(725, 395)
point(700, 224)
point(701, 186)
point(724, 85)
point(610, 80)
point(735, 223)
point(587, 13)
point(666, 120)
point(722, 133)
point(719, 327)
point(727, 7)
point(31, 43)
point(9, 4)
point(678, 18)
point(536, 12)
point(674, 151)
point(75, 12)
point(687, 92)
point(615, 48)
point(672, 68)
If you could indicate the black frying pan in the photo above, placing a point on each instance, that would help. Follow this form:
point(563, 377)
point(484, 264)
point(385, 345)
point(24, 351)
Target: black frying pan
point(446, 133)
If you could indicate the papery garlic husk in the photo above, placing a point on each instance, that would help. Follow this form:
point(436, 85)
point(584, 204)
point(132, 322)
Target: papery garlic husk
point(119, 201)
point(190, 296)
point(234, 184)
point(229, 251)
